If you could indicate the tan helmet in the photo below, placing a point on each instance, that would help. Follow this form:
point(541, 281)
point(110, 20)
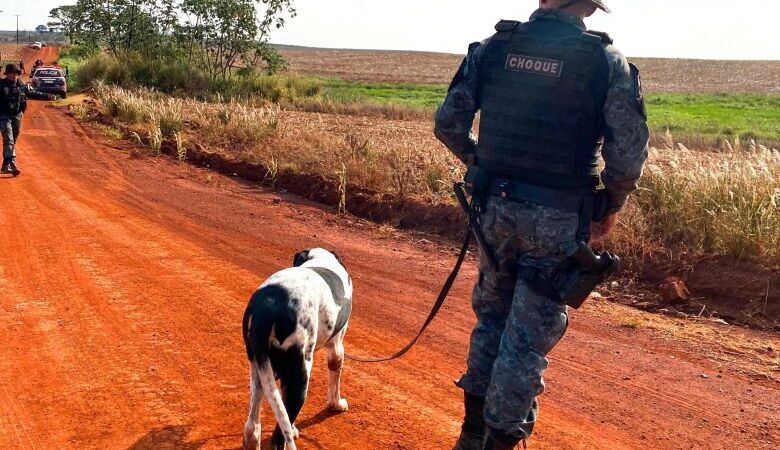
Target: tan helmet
point(601, 5)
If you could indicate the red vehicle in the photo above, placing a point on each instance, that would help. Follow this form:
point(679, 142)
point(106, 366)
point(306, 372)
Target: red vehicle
point(50, 79)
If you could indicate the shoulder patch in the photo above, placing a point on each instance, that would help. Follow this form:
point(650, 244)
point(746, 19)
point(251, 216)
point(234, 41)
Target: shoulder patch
point(605, 38)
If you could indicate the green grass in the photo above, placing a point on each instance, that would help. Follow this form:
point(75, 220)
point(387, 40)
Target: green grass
point(420, 96)
point(747, 116)
point(707, 117)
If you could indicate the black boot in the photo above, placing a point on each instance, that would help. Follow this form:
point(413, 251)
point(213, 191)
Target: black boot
point(14, 168)
point(472, 433)
point(5, 168)
point(498, 440)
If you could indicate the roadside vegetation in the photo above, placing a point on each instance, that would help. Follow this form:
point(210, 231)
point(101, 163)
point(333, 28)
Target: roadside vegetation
point(711, 188)
point(197, 47)
point(692, 202)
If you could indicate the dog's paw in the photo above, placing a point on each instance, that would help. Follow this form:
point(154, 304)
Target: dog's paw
point(296, 433)
point(340, 406)
point(251, 442)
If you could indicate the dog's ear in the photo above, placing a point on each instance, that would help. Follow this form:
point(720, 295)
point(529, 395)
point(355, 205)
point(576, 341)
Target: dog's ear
point(300, 258)
point(338, 258)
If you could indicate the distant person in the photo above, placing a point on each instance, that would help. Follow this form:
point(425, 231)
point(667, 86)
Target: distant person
point(553, 97)
point(13, 102)
point(21, 67)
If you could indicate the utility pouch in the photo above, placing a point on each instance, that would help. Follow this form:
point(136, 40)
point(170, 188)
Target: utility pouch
point(477, 180)
point(600, 205)
point(574, 280)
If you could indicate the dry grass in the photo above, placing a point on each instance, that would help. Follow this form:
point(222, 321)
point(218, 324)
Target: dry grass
point(690, 201)
point(658, 75)
point(725, 203)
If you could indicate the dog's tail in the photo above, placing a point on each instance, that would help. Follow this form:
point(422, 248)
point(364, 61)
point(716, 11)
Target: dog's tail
point(263, 317)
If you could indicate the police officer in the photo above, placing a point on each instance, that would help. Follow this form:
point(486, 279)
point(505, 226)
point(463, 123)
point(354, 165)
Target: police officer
point(552, 96)
point(13, 102)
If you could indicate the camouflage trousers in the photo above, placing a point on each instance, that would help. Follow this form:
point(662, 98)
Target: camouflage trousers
point(516, 328)
point(10, 127)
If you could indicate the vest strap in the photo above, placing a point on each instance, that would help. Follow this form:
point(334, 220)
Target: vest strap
point(505, 29)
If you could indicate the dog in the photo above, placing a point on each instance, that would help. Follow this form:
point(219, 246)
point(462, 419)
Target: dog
point(296, 312)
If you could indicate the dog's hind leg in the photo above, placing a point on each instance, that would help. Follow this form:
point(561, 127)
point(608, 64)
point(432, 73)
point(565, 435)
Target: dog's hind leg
point(335, 364)
point(252, 428)
point(294, 376)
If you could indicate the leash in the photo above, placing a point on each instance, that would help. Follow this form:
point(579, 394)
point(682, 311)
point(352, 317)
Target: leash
point(445, 290)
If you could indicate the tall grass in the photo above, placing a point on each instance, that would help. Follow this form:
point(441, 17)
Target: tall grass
point(160, 117)
point(714, 203)
point(723, 202)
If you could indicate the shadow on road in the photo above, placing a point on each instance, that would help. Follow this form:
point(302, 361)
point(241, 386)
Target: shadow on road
point(175, 437)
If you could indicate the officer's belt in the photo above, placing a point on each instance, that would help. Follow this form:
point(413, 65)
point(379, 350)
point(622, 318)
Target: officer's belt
point(581, 201)
point(518, 190)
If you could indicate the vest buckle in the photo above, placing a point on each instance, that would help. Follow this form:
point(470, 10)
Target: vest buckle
point(504, 189)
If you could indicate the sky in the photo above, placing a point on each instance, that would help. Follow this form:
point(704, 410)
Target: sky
point(710, 29)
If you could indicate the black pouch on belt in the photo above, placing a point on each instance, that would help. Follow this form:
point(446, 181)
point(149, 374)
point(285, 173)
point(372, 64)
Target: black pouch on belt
point(574, 280)
point(600, 205)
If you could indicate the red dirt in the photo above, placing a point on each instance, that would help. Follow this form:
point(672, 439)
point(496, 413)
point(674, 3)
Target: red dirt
point(123, 282)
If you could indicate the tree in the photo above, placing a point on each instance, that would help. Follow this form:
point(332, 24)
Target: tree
point(223, 33)
point(41, 29)
point(217, 34)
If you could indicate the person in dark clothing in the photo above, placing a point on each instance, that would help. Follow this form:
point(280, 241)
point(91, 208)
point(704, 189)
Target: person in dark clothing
point(554, 98)
point(13, 102)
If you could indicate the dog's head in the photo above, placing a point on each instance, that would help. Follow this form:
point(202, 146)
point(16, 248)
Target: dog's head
point(316, 253)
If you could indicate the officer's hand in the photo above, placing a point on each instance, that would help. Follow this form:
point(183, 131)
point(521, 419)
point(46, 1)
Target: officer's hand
point(600, 230)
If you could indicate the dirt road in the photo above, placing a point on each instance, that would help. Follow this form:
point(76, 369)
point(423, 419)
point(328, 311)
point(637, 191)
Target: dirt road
point(123, 282)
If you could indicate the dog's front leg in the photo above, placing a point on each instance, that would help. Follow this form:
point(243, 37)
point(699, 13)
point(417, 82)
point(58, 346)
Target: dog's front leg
point(335, 364)
point(252, 428)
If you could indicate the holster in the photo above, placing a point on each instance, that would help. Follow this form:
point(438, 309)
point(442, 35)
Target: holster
point(573, 280)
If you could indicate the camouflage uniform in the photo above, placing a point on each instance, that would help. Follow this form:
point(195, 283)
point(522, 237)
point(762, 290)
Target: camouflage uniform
point(11, 114)
point(516, 328)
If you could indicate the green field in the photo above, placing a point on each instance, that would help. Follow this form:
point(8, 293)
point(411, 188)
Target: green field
point(704, 116)
point(422, 96)
point(749, 116)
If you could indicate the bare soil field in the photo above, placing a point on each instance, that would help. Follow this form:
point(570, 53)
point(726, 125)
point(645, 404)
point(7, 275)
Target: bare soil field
point(10, 52)
point(659, 75)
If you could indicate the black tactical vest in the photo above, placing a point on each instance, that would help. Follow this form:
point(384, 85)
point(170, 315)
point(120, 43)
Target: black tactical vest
point(12, 97)
point(543, 85)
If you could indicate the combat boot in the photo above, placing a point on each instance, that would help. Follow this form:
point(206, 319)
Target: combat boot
point(5, 168)
point(472, 433)
point(498, 440)
point(13, 168)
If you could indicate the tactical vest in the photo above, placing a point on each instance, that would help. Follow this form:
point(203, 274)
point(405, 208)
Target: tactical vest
point(542, 90)
point(12, 98)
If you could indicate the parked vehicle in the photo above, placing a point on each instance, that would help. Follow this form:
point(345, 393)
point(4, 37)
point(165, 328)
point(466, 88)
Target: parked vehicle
point(36, 45)
point(50, 79)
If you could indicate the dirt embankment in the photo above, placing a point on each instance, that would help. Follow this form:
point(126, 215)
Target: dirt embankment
point(745, 292)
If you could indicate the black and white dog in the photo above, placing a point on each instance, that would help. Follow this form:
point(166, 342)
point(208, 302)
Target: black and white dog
point(294, 313)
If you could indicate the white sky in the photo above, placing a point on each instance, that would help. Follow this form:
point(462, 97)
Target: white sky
point(714, 29)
